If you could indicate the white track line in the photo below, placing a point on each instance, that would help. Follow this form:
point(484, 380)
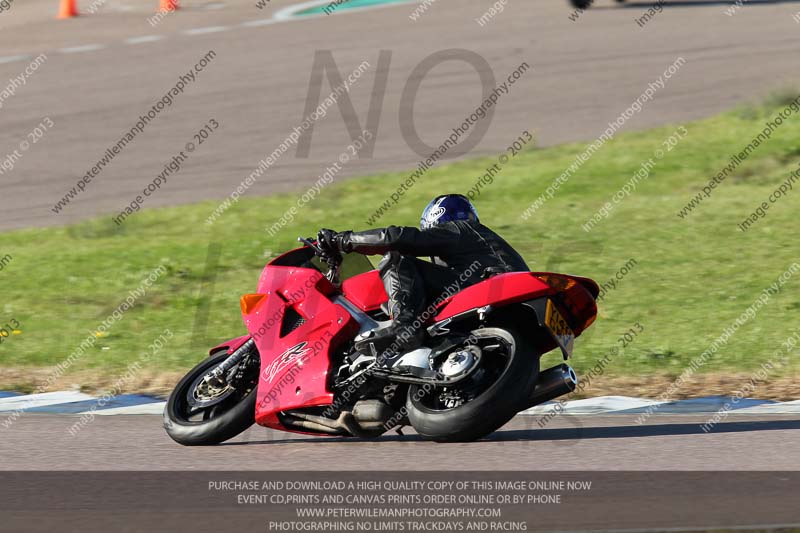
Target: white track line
point(290, 12)
point(40, 400)
point(773, 408)
point(286, 14)
point(153, 408)
point(209, 29)
point(259, 22)
point(144, 39)
point(589, 406)
point(601, 404)
point(84, 48)
point(11, 59)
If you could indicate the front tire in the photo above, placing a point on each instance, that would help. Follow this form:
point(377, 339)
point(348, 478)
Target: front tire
point(220, 422)
point(492, 408)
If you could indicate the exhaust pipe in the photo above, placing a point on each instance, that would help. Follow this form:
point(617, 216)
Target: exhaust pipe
point(553, 382)
point(367, 419)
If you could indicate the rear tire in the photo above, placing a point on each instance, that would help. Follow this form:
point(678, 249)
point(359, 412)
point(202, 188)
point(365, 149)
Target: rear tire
point(493, 408)
point(219, 427)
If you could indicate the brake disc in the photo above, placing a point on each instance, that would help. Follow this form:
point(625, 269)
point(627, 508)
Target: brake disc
point(204, 393)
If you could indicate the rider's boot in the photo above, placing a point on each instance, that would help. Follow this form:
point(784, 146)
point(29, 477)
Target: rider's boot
point(404, 288)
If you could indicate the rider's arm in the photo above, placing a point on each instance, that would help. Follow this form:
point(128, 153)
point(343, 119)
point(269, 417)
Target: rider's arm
point(405, 239)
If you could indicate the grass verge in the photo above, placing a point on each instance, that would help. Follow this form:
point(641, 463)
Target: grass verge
point(690, 279)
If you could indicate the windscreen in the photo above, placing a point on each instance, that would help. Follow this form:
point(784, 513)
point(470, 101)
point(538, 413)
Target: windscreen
point(352, 264)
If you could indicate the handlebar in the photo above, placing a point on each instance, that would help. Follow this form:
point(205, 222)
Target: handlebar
point(311, 244)
point(333, 266)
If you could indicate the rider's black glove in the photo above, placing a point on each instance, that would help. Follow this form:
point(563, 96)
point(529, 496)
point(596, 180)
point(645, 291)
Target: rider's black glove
point(330, 243)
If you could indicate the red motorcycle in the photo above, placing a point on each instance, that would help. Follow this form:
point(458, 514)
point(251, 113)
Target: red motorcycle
point(297, 369)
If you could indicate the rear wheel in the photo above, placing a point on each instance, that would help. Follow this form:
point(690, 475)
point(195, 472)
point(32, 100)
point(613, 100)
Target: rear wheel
point(202, 412)
point(487, 399)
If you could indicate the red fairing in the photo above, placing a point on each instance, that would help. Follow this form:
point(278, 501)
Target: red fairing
point(498, 290)
point(298, 328)
point(302, 331)
point(295, 367)
point(231, 345)
point(365, 291)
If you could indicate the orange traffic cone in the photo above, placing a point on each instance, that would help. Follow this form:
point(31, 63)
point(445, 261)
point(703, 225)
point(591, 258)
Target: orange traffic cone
point(67, 9)
point(168, 5)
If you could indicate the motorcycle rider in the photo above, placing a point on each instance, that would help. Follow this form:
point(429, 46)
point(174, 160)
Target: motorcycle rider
point(459, 246)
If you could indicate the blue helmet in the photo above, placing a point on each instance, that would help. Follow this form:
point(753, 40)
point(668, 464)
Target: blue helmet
point(446, 208)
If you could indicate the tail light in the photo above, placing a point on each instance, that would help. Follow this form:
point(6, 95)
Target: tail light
point(558, 282)
point(574, 299)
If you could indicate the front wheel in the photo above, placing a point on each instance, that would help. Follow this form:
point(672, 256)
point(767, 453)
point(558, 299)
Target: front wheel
point(484, 401)
point(203, 412)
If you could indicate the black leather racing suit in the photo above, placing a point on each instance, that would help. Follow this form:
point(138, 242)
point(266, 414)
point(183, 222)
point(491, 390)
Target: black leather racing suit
point(463, 252)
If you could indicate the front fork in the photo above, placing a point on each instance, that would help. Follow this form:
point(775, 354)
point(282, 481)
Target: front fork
point(216, 375)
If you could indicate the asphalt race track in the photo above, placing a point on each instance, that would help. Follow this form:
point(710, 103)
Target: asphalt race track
point(666, 471)
point(103, 71)
point(611, 442)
